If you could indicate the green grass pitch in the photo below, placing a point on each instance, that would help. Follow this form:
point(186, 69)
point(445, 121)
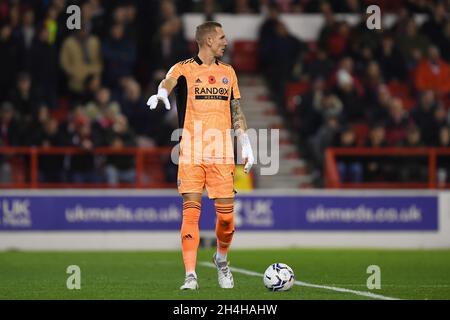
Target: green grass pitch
point(405, 274)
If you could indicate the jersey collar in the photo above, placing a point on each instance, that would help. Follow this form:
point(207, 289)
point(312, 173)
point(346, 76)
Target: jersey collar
point(200, 62)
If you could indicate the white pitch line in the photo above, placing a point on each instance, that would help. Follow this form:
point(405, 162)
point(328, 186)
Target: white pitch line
point(306, 284)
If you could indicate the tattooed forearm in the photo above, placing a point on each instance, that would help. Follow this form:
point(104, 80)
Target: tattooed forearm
point(238, 117)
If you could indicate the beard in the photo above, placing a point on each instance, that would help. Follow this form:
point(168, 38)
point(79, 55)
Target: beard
point(219, 54)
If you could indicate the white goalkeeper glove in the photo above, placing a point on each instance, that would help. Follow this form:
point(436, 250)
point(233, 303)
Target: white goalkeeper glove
point(247, 152)
point(156, 98)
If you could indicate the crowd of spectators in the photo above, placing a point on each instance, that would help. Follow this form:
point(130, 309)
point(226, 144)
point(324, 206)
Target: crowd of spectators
point(88, 87)
point(85, 88)
point(367, 88)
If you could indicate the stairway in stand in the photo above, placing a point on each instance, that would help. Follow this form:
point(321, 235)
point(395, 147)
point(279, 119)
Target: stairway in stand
point(261, 113)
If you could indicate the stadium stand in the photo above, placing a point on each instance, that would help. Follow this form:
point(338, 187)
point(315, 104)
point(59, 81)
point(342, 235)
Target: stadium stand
point(86, 89)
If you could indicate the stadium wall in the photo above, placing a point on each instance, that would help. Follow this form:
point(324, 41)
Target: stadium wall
point(304, 26)
point(150, 219)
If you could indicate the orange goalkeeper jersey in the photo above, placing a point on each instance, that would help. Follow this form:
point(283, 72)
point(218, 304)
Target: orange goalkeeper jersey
point(203, 102)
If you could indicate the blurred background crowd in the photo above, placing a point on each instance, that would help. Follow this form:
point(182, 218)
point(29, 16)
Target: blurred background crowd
point(374, 88)
point(88, 87)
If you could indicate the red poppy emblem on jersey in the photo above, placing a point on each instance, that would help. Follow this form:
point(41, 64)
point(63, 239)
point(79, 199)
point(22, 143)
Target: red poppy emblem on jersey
point(211, 79)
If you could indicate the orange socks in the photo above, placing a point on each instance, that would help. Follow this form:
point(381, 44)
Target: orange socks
point(224, 229)
point(190, 235)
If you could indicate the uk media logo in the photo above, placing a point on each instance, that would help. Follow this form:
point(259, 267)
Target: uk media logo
point(215, 146)
point(15, 213)
point(253, 213)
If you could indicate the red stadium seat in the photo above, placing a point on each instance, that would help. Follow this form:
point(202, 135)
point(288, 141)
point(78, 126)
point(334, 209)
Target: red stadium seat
point(193, 47)
point(293, 90)
point(409, 103)
point(18, 168)
point(312, 51)
point(402, 91)
point(244, 56)
point(61, 113)
point(312, 46)
point(399, 89)
point(446, 103)
point(361, 131)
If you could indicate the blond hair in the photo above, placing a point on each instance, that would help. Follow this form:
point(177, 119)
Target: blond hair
point(205, 29)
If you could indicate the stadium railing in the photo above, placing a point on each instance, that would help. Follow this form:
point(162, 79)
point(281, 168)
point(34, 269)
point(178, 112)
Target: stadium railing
point(331, 173)
point(24, 166)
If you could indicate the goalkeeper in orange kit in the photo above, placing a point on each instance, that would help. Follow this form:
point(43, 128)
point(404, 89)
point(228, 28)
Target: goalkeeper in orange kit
point(208, 100)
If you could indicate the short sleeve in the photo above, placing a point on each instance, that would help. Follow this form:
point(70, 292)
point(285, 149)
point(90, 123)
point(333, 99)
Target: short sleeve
point(235, 93)
point(175, 72)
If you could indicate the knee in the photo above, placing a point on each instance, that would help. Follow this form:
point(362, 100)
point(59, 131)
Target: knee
point(225, 220)
point(224, 212)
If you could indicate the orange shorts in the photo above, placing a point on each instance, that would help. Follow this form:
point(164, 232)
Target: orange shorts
point(217, 178)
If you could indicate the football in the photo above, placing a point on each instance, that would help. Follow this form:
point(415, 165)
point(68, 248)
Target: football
point(279, 277)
